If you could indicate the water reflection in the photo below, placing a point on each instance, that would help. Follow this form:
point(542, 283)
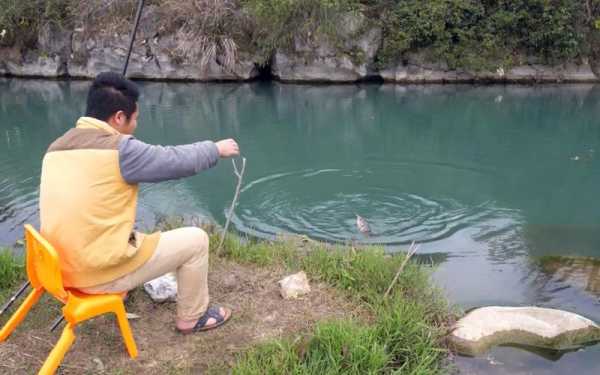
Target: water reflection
point(580, 272)
point(514, 361)
point(560, 279)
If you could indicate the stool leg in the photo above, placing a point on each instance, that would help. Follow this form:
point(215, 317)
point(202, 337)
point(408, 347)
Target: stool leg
point(58, 353)
point(126, 330)
point(21, 313)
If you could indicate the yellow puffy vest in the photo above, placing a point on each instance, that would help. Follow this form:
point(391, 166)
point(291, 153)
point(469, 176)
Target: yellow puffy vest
point(87, 210)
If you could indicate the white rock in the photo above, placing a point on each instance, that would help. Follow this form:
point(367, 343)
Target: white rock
point(162, 288)
point(132, 316)
point(294, 285)
point(99, 364)
point(486, 327)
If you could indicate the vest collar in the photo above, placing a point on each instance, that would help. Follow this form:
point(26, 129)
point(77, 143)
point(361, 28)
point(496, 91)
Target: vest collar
point(93, 123)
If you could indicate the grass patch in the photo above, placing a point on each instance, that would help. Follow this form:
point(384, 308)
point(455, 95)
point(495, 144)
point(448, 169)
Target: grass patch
point(406, 336)
point(12, 272)
point(336, 347)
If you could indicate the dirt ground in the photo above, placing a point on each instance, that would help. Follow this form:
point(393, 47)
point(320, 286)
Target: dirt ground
point(259, 313)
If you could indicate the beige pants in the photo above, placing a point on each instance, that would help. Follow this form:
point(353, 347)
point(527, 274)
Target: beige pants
point(184, 250)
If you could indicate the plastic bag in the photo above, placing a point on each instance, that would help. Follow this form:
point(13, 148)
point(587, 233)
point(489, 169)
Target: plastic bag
point(162, 288)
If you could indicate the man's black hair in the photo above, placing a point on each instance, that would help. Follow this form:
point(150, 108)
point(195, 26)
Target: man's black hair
point(110, 93)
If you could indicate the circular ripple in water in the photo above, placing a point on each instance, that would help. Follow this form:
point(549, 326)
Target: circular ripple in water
point(322, 204)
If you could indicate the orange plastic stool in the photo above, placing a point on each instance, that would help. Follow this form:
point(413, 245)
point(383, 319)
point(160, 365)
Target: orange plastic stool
point(43, 272)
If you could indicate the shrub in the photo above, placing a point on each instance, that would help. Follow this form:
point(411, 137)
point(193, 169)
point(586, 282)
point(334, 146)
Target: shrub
point(477, 33)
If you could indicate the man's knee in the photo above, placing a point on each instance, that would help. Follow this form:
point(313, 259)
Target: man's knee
point(199, 239)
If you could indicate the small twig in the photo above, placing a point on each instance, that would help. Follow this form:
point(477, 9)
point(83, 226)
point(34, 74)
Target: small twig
point(411, 251)
point(239, 174)
point(42, 340)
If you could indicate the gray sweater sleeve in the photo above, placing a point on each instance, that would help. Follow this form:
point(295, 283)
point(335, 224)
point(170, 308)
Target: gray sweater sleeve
point(141, 162)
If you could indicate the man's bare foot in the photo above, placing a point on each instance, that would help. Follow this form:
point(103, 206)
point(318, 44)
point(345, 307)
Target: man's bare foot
point(212, 318)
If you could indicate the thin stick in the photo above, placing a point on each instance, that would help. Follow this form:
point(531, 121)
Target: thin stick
point(411, 251)
point(239, 174)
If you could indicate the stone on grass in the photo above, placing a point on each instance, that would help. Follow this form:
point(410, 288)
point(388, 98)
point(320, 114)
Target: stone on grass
point(162, 288)
point(486, 327)
point(294, 286)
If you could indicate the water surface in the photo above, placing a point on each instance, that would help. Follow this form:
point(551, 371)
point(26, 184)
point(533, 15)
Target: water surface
point(487, 178)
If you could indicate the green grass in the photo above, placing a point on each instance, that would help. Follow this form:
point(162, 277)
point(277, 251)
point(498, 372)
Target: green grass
point(12, 273)
point(406, 336)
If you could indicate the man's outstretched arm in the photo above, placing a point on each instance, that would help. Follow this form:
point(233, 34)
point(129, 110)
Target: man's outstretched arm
point(142, 162)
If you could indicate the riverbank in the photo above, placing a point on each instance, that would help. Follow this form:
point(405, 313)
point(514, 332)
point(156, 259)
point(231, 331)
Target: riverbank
point(410, 73)
point(344, 325)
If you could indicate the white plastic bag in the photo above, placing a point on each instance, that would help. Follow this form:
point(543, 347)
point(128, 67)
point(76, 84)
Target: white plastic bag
point(162, 288)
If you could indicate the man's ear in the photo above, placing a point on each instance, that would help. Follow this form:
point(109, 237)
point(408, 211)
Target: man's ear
point(120, 118)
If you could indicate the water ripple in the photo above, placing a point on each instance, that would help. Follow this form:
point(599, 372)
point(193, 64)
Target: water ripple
point(323, 203)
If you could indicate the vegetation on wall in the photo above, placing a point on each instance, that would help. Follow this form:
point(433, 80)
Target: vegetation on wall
point(20, 20)
point(462, 33)
point(471, 33)
point(278, 22)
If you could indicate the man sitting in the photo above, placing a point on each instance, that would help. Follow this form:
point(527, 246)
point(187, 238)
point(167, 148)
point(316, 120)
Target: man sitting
point(88, 199)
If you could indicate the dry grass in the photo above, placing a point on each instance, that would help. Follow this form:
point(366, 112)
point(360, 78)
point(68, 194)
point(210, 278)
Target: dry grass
point(120, 13)
point(259, 314)
point(206, 30)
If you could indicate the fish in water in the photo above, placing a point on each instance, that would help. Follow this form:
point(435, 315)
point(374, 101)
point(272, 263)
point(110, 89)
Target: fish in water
point(362, 225)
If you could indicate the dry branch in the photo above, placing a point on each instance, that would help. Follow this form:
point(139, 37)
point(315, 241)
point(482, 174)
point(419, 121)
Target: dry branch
point(239, 174)
point(411, 251)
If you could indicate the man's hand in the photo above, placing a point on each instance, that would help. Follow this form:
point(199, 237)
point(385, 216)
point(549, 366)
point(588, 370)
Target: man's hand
point(228, 148)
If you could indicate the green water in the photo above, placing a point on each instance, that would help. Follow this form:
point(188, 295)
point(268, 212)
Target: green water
point(487, 179)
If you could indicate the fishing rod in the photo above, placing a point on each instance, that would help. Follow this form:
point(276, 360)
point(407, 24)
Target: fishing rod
point(24, 287)
point(12, 299)
point(138, 15)
point(133, 32)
